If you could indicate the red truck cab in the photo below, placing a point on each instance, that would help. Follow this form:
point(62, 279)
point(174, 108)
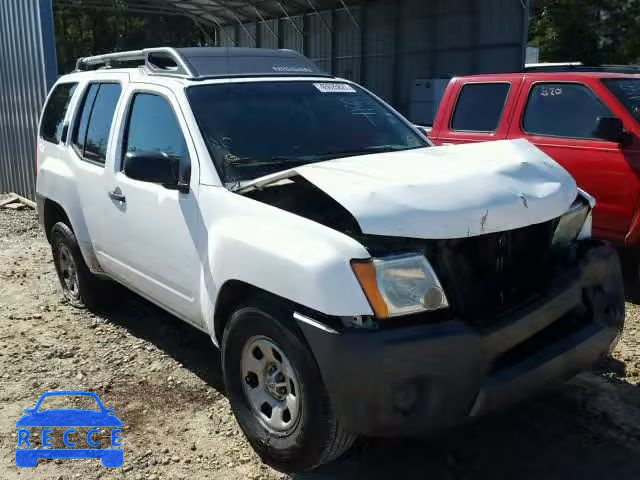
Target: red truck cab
point(588, 121)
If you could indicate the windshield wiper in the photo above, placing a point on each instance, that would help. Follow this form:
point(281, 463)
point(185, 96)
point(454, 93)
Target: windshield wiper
point(363, 151)
point(278, 160)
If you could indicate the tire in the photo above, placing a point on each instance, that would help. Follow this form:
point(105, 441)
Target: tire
point(302, 440)
point(81, 289)
point(630, 263)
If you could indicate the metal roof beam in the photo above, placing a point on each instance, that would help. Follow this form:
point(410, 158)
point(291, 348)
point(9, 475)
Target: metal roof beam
point(266, 24)
point(291, 20)
point(324, 22)
point(199, 9)
point(353, 19)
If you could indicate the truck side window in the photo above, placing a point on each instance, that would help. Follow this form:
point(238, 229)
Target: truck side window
point(91, 133)
point(566, 110)
point(153, 127)
point(55, 111)
point(479, 107)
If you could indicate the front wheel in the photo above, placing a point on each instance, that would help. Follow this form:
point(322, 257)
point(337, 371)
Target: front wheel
point(276, 391)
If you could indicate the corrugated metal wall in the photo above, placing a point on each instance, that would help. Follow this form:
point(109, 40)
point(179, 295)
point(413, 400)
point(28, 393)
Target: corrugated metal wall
point(388, 44)
point(27, 70)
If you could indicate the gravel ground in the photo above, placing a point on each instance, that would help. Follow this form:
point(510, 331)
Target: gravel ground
point(163, 379)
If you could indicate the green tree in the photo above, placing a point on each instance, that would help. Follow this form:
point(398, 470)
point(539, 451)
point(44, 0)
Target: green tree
point(591, 31)
point(88, 31)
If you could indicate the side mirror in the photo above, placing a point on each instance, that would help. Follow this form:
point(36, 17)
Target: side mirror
point(611, 129)
point(154, 167)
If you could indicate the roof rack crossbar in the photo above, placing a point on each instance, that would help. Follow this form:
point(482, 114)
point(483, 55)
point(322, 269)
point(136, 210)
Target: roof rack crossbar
point(154, 59)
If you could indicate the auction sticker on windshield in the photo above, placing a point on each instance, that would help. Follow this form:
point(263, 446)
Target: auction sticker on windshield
point(334, 87)
point(69, 433)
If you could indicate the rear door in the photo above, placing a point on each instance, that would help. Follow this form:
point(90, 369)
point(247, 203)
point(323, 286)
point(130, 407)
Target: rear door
point(153, 230)
point(479, 111)
point(88, 150)
point(560, 117)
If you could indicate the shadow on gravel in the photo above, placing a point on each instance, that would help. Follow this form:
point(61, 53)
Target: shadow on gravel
point(187, 345)
point(540, 439)
point(552, 436)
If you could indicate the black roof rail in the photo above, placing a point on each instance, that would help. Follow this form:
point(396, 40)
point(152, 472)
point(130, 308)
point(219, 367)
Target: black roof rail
point(200, 63)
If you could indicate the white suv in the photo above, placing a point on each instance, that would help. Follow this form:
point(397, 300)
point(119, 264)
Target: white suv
point(356, 279)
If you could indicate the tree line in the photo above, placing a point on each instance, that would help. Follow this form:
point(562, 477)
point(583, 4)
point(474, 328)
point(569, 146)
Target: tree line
point(595, 32)
point(82, 31)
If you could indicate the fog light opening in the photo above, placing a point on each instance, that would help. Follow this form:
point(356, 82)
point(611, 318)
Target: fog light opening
point(405, 398)
point(433, 299)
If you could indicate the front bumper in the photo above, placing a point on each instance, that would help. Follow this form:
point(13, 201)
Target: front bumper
point(420, 379)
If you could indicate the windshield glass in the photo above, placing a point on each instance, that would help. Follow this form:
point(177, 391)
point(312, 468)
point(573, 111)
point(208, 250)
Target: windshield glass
point(627, 90)
point(258, 128)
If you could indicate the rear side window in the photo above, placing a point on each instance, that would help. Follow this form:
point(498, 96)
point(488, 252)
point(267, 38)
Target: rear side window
point(566, 110)
point(54, 112)
point(91, 134)
point(480, 107)
point(80, 131)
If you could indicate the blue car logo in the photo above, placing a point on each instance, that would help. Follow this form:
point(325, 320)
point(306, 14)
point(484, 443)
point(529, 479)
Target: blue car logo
point(27, 456)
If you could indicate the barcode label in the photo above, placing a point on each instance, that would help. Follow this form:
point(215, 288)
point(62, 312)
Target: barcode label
point(334, 88)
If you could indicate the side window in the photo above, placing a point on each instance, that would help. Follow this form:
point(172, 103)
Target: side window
point(153, 127)
point(563, 110)
point(480, 107)
point(55, 111)
point(91, 134)
point(80, 130)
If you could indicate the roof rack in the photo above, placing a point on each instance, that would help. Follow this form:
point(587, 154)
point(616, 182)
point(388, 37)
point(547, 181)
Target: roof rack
point(200, 63)
point(163, 60)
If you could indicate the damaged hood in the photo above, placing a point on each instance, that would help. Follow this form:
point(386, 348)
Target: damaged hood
point(445, 192)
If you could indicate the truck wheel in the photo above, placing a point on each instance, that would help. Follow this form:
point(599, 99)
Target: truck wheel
point(630, 263)
point(80, 287)
point(276, 391)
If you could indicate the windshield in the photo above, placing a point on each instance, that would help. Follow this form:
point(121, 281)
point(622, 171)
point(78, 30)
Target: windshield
point(627, 90)
point(258, 128)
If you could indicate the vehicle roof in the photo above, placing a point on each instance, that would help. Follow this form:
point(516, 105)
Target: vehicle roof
point(139, 75)
point(550, 75)
point(200, 63)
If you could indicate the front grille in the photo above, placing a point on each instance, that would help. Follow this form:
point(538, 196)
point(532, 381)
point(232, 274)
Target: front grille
point(487, 275)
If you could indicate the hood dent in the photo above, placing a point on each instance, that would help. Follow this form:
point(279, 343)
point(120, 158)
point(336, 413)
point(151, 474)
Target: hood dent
point(443, 192)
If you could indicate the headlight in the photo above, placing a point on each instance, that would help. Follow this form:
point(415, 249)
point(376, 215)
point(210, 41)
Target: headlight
point(400, 285)
point(574, 224)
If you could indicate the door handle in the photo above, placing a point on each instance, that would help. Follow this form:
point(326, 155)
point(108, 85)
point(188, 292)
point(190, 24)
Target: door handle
point(117, 195)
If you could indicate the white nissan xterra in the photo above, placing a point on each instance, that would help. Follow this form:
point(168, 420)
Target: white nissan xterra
point(357, 280)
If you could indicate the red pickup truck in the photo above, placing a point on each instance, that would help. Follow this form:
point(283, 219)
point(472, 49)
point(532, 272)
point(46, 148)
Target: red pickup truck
point(588, 121)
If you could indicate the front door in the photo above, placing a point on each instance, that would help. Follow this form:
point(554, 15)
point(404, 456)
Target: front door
point(152, 243)
point(560, 118)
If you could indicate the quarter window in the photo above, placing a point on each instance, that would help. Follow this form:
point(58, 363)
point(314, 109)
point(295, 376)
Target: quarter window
point(566, 110)
point(53, 118)
point(153, 127)
point(479, 107)
point(91, 135)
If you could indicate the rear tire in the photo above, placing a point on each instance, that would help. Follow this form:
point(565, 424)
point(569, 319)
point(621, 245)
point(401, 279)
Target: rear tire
point(630, 263)
point(310, 434)
point(80, 287)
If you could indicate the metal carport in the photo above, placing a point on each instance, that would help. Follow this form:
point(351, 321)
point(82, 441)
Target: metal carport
point(399, 49)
